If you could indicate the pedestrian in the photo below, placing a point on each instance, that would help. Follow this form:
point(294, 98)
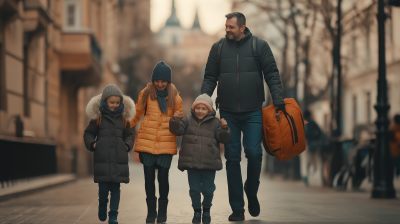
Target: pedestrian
point(395, 143)
point(155, 143)
point(109, 136)
point(240, 96)
point(314, 140)
point(200, 155)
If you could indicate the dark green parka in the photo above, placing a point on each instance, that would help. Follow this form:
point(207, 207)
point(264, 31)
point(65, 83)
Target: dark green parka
point(200, 143)
point(113, 141)
point(240, 85)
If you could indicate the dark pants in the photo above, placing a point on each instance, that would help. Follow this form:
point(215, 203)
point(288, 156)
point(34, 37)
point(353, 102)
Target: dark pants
point(250, 123)
point(114, 188)
point(150, 177)
point(201, 181)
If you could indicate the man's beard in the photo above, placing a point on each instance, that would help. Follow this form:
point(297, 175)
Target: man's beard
point(233, 37)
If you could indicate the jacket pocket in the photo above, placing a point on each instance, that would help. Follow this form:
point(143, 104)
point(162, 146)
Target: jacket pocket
point(210, 149)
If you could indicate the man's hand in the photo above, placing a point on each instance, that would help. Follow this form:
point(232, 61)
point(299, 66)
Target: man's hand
point(177, 115)
point(223, 123)
point(94, 146)
point(280, 106)
point(127, 148)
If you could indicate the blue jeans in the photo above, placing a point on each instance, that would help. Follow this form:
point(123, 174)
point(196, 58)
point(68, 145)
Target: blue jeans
point(201, 181)
point(114, 188)
point(250, 123)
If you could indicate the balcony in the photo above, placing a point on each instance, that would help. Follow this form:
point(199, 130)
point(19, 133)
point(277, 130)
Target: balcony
point(80, 58)
point(36, 18)
point(8, 8)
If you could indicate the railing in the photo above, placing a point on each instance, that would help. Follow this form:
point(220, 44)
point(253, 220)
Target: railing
point(21, 160)
point(96, 50)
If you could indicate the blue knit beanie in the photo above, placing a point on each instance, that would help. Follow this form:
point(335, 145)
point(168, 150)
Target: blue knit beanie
point(162, 72)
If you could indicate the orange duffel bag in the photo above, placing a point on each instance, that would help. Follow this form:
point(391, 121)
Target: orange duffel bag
point(283, 131)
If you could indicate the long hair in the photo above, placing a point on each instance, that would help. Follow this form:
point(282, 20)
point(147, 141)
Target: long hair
point(151, 91)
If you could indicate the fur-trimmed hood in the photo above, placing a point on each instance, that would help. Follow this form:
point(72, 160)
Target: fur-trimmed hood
point(93, 108)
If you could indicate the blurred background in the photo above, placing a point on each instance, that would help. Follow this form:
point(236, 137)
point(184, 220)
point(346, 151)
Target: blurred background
point(57, 54)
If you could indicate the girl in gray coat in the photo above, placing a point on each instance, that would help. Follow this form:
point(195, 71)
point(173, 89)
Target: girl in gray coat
point(110, 138)
point(199, 154)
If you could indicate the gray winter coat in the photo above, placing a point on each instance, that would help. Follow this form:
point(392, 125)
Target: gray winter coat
point(113, 141)
point(200, 143)
point(240, 85)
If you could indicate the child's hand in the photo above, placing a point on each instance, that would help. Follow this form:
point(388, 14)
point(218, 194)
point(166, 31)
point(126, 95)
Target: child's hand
point(94, 146)
point(223, 123)
point(177, 114)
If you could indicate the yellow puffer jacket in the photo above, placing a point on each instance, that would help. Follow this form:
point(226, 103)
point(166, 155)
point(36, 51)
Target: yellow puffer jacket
point(154, 136)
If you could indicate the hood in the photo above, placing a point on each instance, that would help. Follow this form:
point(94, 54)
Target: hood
point(93, 108)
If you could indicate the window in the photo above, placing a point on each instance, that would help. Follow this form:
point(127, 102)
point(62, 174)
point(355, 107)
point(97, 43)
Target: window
point(72, 14)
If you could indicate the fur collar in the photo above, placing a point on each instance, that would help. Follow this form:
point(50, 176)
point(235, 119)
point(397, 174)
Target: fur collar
point(93, 108)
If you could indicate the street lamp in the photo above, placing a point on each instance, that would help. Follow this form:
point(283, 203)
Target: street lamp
point(383, 167)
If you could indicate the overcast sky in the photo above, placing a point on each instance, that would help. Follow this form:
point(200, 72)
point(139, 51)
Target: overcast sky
point(211, 13)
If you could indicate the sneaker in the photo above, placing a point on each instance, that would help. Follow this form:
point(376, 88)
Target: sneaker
point(236, 216)
point(196, 217)
point(206, 217)
point(254, 206)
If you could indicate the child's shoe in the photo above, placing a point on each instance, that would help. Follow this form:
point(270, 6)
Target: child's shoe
point(103, 210)
point(112, 217)
point(197, 216)
point(206, 216)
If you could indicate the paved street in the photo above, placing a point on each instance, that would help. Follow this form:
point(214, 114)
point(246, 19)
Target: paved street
point(281, 202)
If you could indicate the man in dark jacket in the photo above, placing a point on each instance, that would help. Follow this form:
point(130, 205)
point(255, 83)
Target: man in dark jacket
point(240, 98)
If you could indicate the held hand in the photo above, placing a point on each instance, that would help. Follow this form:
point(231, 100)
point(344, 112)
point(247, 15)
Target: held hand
point(94, 146)
point(223, 123)
point(127, 149)
point(177, 114)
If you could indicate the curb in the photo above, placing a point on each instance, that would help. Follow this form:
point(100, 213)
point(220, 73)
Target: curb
point(30, 190)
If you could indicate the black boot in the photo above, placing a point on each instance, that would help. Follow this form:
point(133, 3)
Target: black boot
point(237, 216)
point(162, 210)
point(103, 209)
point(206, 219)
point(151, 210)
point(112, 217)
point(197, 216)
point(254, 206)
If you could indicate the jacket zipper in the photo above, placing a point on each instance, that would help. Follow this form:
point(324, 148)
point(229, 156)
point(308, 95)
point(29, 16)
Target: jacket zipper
point(195, 138)
point(237, 72)
point(198, 127)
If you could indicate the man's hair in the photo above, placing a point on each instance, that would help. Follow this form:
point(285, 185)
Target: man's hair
point(241, 20)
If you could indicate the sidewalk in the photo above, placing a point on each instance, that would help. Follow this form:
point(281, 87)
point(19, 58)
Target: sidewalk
point(27, 186)
point(281, 202)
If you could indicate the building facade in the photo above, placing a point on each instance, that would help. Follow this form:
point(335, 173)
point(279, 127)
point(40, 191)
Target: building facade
point(54, 56)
